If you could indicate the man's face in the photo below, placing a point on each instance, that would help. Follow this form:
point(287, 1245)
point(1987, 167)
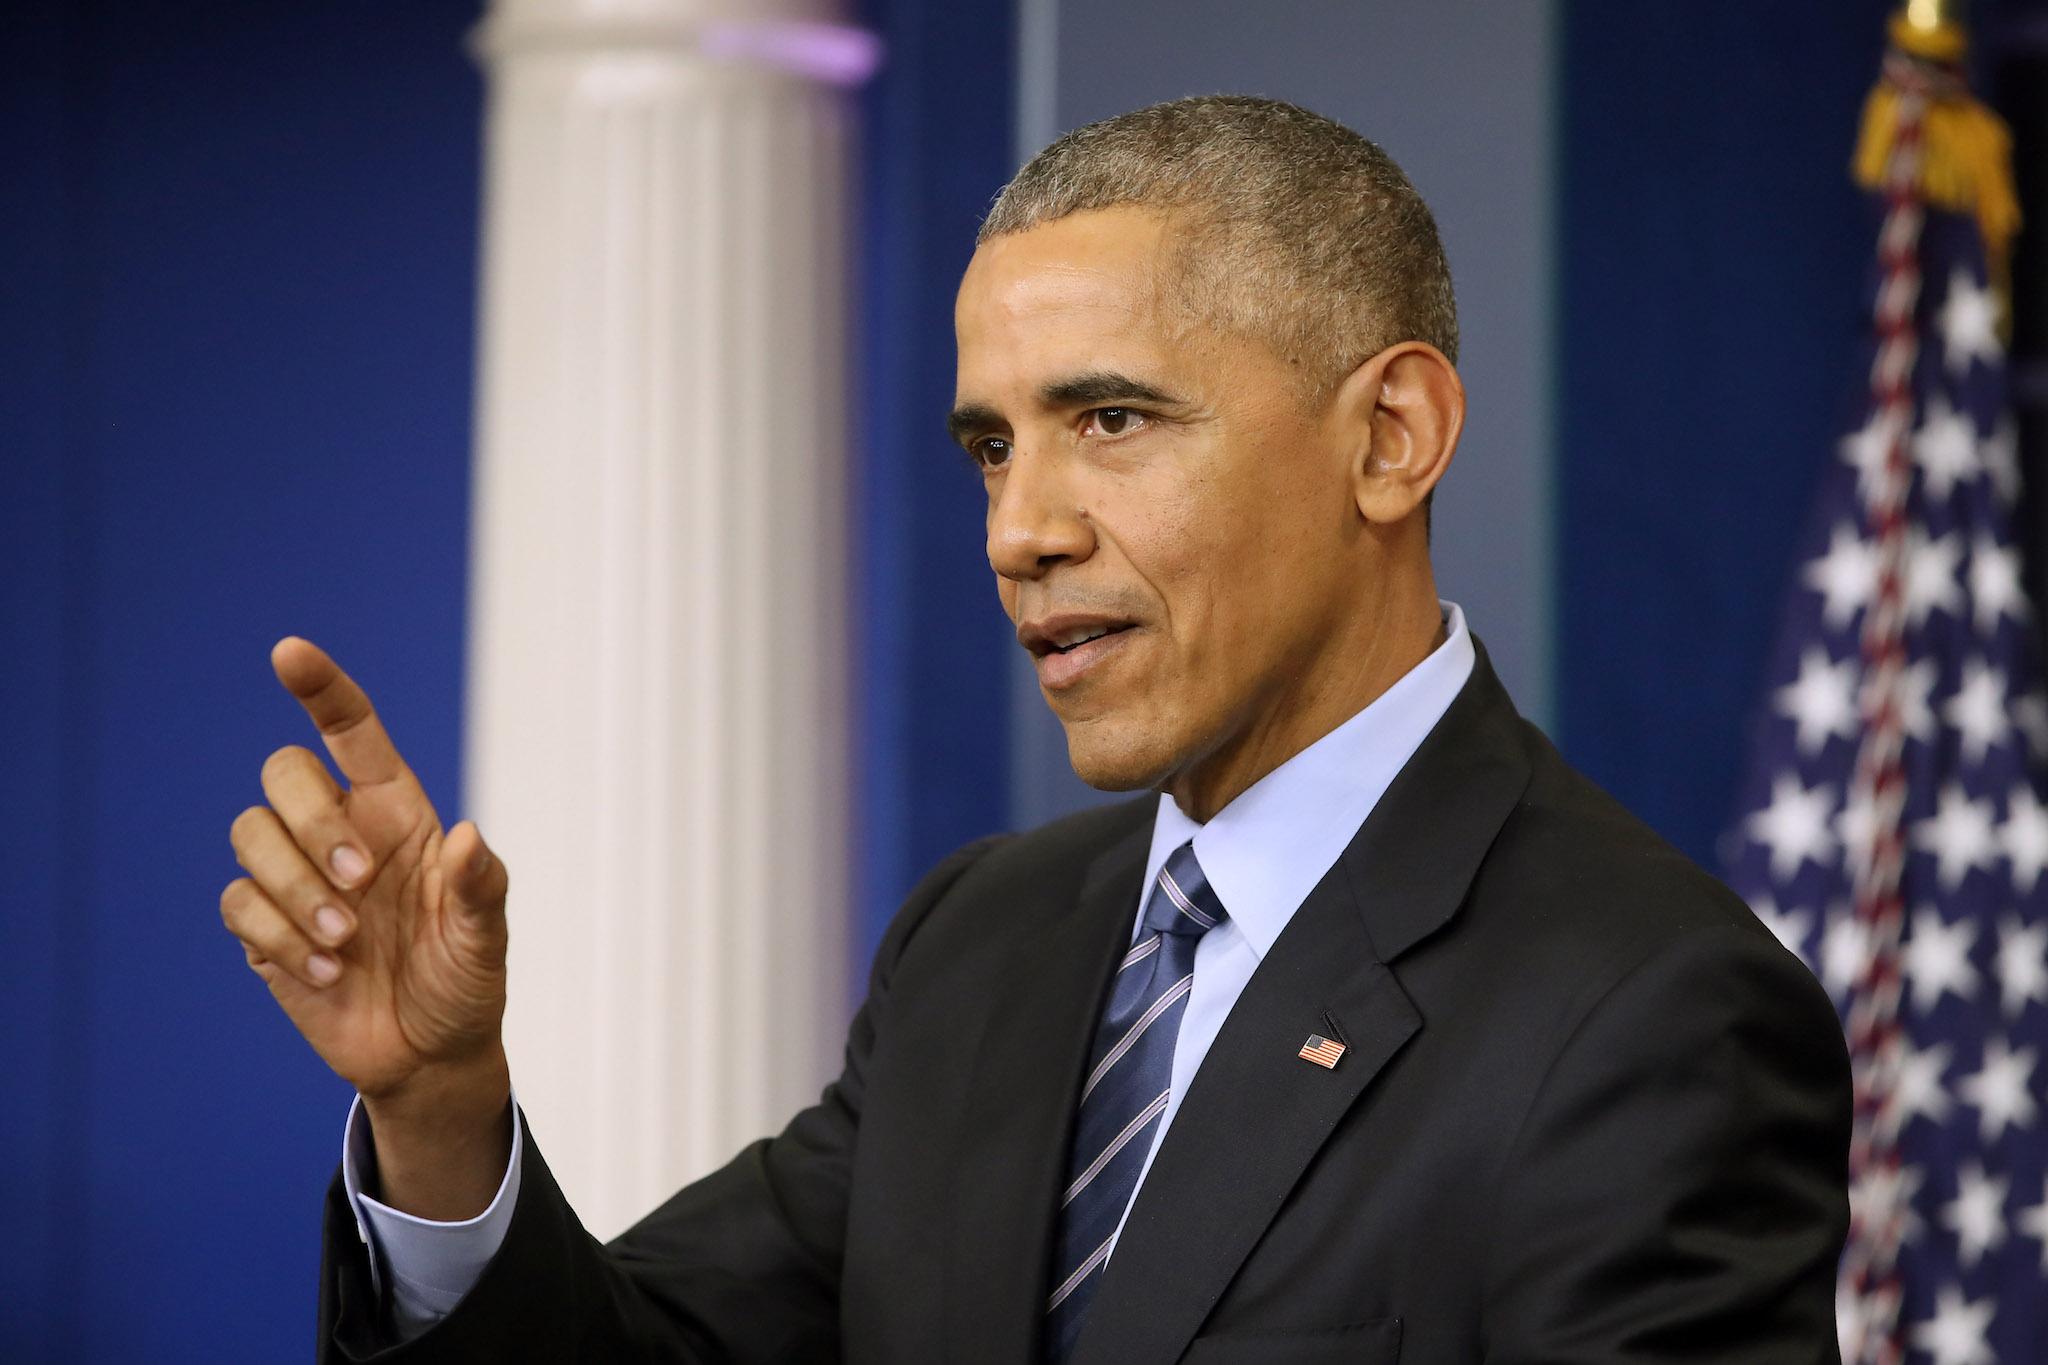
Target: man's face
point(1162, 486)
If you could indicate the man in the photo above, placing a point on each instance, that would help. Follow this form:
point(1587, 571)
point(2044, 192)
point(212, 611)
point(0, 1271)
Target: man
point(1377, 1034)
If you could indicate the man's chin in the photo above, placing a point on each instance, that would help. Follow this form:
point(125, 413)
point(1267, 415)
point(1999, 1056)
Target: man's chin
point(1115, 763)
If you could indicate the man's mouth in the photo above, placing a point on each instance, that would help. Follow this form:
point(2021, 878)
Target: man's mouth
point(1065, 633)
point(1068, 646)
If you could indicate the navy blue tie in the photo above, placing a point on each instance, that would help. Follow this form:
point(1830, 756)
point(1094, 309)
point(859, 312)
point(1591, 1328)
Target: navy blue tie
point(1130, 1077)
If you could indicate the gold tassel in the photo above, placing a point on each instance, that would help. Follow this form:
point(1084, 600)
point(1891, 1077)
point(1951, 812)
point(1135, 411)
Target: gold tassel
point(1965, 149)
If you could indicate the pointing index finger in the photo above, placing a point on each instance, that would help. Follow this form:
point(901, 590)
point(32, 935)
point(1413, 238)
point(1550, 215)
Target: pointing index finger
point(341, 711)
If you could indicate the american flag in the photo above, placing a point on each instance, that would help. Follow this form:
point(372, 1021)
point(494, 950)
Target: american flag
point(1322, 1051)
point(1893, 826)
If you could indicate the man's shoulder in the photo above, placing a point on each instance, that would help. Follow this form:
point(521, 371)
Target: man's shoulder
point(1571, 836)
point(1577, 898)
point(1581, 885)
point(999, 885)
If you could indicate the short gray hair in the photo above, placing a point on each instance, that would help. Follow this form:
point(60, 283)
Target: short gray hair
point(1288, 226)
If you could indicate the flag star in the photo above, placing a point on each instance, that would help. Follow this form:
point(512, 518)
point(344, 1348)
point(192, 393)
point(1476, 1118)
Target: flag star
point(2030, 713)
point(1955, 1334)
point(1789, 926)
point(1930, 574)
point(1995, 591)
point(1937, 957)
point(1917, 1090)
point(1844, 950)
point(1821, 702)
point(1977, 710)
point(1916, 698)
point(2001, 455)
point(1961, 835)
point(1969, 323)
point(2024, 837)
point(1795, 825)
point(2022, 964)
point(1977, 1214)
point(1868, 449)
point(1999, 1092)
point(1845, 576)
point(2033, 1222)
point(1945, 448)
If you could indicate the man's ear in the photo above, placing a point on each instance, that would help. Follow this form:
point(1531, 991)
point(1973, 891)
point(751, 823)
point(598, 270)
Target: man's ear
point(1406, 406)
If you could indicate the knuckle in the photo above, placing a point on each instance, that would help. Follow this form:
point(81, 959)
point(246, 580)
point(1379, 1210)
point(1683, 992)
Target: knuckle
point(267, 934)
point(242, 911)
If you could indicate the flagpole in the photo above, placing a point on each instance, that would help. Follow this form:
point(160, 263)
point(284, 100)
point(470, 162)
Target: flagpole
point(1925, 144)
point(1869, 1275)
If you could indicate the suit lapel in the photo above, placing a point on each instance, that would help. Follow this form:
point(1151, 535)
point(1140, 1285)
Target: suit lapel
point(1016, 1118)
point(1257, 1114)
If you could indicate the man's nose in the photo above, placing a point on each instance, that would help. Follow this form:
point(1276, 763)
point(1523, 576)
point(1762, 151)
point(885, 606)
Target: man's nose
point(1035, 521)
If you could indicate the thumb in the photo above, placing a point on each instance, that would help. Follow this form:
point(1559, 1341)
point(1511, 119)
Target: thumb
point(474, 876)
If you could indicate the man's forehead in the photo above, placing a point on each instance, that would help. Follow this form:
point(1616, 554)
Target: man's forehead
point(1075, 296)
point(1104, 258)
point(1066, 366)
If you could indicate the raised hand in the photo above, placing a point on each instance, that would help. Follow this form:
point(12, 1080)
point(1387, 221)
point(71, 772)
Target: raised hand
point(381, 935)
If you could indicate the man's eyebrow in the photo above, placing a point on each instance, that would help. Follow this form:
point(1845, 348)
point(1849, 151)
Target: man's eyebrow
point(1103, 387)
point(971, 419)
point(1095, 388)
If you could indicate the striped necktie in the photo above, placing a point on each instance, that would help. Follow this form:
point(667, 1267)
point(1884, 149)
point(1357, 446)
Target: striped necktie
point(1130, 1076)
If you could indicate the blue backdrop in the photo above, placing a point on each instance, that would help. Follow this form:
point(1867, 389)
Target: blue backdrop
point(932, 644)
point(236, 405)
point(1712, 260)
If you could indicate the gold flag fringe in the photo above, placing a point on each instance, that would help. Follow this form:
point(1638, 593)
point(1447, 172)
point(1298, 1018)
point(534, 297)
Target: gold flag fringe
point(1966, 150)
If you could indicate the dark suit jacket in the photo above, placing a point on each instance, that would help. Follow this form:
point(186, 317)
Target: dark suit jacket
point(1590, 1111)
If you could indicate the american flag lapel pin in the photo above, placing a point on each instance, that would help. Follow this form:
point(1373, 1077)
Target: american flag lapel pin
point(1324, 1052)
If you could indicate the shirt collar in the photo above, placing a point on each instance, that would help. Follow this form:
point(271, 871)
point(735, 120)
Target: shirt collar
point(1265, 851)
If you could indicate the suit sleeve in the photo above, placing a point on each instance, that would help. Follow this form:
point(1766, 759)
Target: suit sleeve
point(743, 1265)
point(1676, 1191)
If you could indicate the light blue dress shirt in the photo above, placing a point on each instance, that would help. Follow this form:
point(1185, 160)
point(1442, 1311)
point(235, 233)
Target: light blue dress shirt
point(1263, 853)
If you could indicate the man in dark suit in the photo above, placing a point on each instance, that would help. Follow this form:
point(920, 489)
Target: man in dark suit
point(1378, 1034)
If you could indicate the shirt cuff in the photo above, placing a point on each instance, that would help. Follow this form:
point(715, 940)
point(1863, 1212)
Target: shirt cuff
point(429, 1266)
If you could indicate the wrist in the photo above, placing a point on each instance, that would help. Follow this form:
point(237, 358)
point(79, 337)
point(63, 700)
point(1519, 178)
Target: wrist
point(443, 1138)
point(444, 1095)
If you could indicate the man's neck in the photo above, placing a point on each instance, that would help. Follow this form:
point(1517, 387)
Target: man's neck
point(1355, 677)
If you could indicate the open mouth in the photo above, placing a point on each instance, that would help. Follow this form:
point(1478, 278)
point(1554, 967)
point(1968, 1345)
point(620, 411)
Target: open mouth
point(1067, 646)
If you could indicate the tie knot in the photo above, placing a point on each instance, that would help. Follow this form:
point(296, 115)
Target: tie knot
point(1182, 900)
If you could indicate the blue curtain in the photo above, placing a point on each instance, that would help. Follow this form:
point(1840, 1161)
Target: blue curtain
point(235, 402)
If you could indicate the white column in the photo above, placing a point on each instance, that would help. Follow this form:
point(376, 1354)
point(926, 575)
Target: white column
point(657, 710)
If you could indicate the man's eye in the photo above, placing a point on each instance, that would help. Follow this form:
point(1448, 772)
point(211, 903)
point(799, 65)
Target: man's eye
point(1114, 421)
point(990, 452)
